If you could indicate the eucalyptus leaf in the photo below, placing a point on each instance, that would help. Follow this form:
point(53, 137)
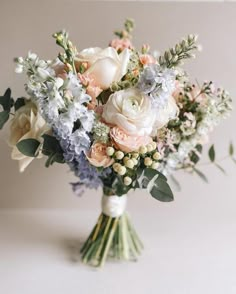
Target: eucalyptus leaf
point(211, 153)
point(176, 184)
point(4, 116)
point(200, 174)
point(28, 147)
point(220, 168)
point(161, 191)
point(19, 103)
point(6, 101)
point(231, 149)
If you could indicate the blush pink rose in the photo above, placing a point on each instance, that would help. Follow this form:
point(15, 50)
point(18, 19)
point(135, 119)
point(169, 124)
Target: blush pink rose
point(121, 44)
point(147, 59)
point(128, 143)
point(98, 157)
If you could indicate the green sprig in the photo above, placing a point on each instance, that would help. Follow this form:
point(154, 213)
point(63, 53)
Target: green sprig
point(183, 50)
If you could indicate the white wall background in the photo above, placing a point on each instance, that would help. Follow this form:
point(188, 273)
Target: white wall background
point(28, 25)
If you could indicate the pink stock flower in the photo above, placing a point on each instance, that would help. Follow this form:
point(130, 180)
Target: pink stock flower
point(121, 44)
point(126, 142)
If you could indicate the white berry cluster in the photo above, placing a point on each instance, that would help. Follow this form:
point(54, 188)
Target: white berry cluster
point(126, 163)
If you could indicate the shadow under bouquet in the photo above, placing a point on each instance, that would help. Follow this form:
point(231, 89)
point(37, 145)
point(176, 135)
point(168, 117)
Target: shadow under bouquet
point(121, 118)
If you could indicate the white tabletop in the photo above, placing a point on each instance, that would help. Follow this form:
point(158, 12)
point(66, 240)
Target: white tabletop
point(39, 254)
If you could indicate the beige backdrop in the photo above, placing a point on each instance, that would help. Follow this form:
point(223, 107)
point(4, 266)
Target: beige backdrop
point(29, 25)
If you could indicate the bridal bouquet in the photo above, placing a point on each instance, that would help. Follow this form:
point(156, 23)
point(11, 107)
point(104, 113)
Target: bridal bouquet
point(121, 118)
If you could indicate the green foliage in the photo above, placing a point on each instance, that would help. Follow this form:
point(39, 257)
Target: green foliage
point(19, 103)
point(52, 149)
point(200, 174)
point(211, 153)
point(156, 184)
point(4, 116)
point(183, 50)
point(28, 147)
point(6, 101)
point(176, 184)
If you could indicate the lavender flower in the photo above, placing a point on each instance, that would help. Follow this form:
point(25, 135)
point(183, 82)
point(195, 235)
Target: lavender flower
point(158, 83)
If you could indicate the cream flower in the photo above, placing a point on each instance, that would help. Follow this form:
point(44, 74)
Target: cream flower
point(131, 111)
point(98, 157)
point(126, 142)
point(26, 124)
point(164, 115)
point(104, 65)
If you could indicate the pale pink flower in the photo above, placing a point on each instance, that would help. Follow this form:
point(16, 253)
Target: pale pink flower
point(128, 143)
point(147, 59)
point(98, 157)
point(121, 44)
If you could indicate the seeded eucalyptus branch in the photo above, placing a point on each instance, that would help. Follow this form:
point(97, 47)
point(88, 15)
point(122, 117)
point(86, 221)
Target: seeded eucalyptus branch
point(183, 50)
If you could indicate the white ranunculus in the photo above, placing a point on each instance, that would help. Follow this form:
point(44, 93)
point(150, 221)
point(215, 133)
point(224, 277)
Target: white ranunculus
point(164, 115)
point(105, 65)
point(27, 123)
point(131, 111)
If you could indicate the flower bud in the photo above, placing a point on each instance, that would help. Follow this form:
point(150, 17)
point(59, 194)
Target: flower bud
point(116, 166)
point(155, 165)
point(148, 161)
point(121, 170)
point(149, 148)
point(135, 161)
point(156, 156)
point(135, 155)
point(127, 181)
point(110, 151)
point(154, 145)
point(19, 68)
point(119, 155)
point(142, 150)
point(129, 163)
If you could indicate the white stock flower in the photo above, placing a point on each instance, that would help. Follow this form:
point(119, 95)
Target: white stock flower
point(131, 111)
point(26, 124)
point(105, 65)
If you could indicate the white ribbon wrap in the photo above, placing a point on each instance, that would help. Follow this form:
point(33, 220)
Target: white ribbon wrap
point(114, 206)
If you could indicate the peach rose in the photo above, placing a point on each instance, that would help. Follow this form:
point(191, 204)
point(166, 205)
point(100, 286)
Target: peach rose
point(126, 142)
point(105, 65)
point(97, 156)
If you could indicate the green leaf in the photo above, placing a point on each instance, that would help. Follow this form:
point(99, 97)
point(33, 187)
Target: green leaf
point(211, 153)
point(231, 149)
point(220, 168)
point(176, 184)
point(200, 174)
point(52, 149)
point(119, 187)
point(4, 116)
point(19, 103)
point(28, 147)
point(6, 101)
point(161, 190)
point(234, 160)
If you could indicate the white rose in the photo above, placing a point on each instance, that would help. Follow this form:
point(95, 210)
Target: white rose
point(26, 124)
point(131, 111)
point(105, 65)
point(169, 112)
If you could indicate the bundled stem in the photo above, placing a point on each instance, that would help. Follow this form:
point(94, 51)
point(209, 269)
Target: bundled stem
point(112, 237)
